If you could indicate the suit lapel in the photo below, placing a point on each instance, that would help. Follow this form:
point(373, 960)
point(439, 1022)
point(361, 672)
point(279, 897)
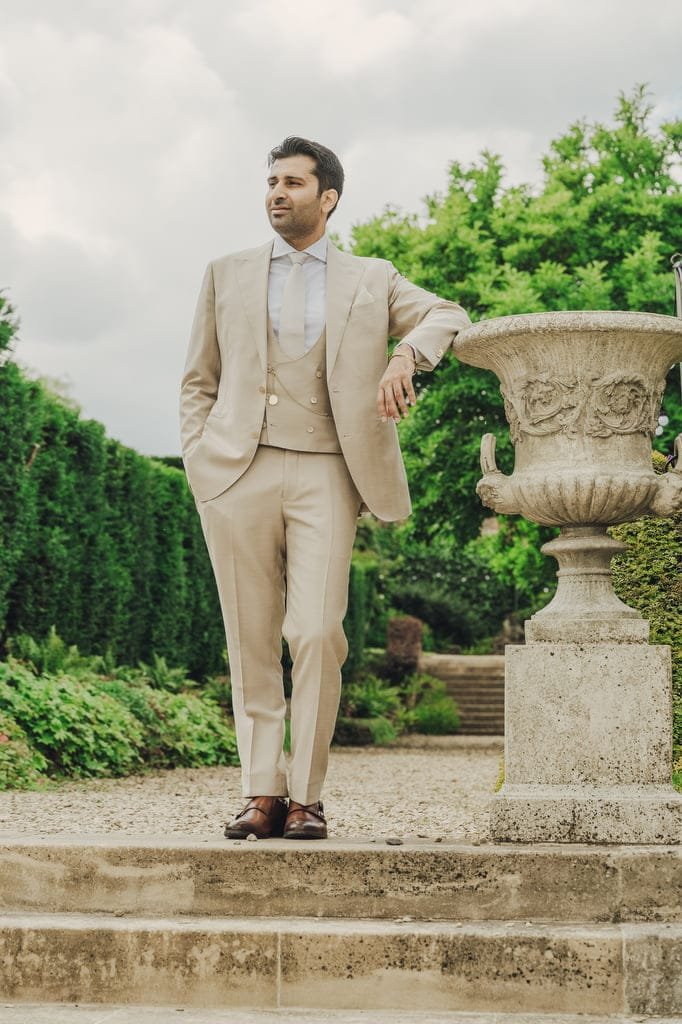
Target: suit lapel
point(343, 277)
point(252, 272)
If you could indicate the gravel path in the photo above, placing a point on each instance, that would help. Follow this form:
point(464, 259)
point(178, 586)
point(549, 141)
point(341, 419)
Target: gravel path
point(370, 793)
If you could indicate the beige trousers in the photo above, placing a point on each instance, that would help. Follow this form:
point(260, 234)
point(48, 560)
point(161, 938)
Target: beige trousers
point(280, 542)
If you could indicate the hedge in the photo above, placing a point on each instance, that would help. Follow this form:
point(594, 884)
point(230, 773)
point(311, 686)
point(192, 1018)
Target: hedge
point(648, 576)
point(97, 540)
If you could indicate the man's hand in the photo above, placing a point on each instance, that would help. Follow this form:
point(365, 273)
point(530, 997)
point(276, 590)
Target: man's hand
point(395, 387)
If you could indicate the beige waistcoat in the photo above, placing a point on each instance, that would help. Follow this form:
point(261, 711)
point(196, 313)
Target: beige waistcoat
point(298, 413)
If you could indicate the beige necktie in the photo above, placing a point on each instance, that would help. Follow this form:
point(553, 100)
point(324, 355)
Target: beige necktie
point(292, 315)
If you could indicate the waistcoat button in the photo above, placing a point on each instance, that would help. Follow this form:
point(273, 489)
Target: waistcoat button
point(310, 429)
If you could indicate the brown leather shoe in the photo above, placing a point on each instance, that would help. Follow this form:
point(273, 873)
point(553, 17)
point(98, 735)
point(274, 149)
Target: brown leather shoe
point(305, 821)
point(263, 816)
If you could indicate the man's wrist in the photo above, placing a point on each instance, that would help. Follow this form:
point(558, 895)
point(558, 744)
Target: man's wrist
point(404, 353)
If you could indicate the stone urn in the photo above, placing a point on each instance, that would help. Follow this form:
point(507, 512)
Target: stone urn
point(588, 701)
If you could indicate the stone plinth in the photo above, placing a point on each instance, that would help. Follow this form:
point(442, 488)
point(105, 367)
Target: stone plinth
point(588, 718)
point(588, 731)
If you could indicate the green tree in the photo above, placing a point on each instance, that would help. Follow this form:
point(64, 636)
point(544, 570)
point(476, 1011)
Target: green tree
point(597, 232)
point(8, 326)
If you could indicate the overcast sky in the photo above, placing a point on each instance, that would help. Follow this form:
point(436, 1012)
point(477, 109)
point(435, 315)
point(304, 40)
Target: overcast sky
point(134, 137)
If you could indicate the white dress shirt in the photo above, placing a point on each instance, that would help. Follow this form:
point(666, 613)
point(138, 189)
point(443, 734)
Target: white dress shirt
point(315, 272)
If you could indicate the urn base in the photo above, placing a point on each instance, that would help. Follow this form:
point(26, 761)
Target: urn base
point(585, 607)
point(587, 814)
point(588, 745)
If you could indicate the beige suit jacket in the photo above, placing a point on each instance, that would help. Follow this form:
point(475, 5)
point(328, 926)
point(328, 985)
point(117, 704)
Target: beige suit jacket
point(222, 398)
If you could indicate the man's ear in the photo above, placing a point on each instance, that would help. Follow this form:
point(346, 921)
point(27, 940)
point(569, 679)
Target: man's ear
point(330, 198)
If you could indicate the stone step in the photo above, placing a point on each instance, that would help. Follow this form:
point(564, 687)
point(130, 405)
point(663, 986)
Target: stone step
point(456, 684)
point(494, 719)
point(161, 876)
point(463, 666)
point(482, 715)
point(474, 694)
point(485, 704)
point(487, 698)
point(482, 711)
point(264, 963)
point(61, 1013)
point(493, 723)
point(482, 729)
point(476, 703)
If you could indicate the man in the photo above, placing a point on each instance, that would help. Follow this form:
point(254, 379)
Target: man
point(284, 439)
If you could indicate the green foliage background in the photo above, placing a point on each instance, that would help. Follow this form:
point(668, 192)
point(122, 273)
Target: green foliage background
point(596, 233)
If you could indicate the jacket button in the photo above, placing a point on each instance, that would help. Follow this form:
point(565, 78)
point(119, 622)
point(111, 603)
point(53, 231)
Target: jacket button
point(310, 429)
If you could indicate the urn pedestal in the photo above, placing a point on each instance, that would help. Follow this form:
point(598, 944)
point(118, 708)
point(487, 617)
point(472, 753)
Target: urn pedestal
point(588, 702)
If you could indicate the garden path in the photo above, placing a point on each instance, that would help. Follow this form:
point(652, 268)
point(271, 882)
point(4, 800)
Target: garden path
point(440, 790)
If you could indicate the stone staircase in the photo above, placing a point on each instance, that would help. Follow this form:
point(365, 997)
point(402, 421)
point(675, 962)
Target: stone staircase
point(476, 682)
point(486, 933)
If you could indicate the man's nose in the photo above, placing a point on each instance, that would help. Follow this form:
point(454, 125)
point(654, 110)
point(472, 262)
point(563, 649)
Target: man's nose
point(277, 193)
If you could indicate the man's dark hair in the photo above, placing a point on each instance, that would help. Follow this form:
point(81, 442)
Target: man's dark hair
point(327, 169)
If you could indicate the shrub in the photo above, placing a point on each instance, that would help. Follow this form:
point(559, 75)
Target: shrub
point(429, 708)
point(178, 729)
point(79, 731)
point(437, 717)
point(20, 766)
point(219, 690)
point(403, 647)
point(372, 711)
point(50, 654)
point(369, 698)
point(193, 732)
point(161, 675)
point(89, 724)
point(364, 732)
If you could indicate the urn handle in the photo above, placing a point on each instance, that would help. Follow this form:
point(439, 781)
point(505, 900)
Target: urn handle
point(488, 462)
point(668, 498)
point(495, 489)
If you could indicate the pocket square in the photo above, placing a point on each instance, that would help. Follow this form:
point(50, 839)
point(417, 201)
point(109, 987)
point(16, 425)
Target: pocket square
point(363, 298)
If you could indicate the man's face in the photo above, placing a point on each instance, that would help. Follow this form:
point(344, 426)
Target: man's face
point(295, 210)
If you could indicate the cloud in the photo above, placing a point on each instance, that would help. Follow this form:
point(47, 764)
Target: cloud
point(135, 136)
point(336, 38)
point(67, 294)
